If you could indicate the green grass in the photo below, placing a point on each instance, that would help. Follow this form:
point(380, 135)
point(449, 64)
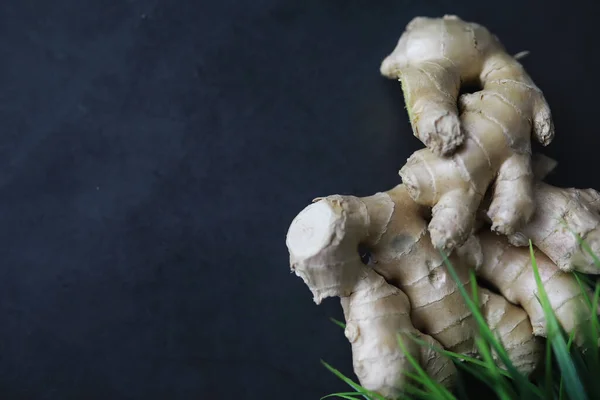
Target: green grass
point(568, 372)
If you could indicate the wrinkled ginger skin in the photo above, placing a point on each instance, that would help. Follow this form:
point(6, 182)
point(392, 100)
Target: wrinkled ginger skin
point(510, 270)
point(323, 242)
point(562, 215)
point(512, 327)
point(488, 142)
point(376, 313)
point(404, 255)
point(433, 58)
point(401, 251)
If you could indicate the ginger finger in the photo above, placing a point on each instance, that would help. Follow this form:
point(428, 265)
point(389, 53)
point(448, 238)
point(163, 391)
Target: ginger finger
point(376, 313)
point(512, 326)
point(496, 123)
point(433, 57)
point(404, 255)
point(509, 269)
point(560, 215)
point(401, 252)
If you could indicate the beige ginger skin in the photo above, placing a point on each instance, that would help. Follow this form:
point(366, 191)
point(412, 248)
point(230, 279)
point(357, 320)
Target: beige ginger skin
point(406, 289)
point(477, 162)
point(489, 140)
point(563, 215)
point(417, 296)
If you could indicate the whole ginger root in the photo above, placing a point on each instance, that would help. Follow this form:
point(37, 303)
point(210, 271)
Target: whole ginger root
point(472, 140)
point(473, 143)
point(406, 289)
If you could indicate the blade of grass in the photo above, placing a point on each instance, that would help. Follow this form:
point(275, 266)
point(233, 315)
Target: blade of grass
point(460, 389)
point(584, 278)
point(590, 355)
point(548, 371)
point(561, 389)
point(586, 296)
point(583, 244)
point(413, 390)
point(594, 310)
point(500, 386)
point(338, 323)
point(525, 386)
point(480, 374)
point(430, 384)
point(367, 394)
point(346, 395)
point(455, 356)
point(572, 382)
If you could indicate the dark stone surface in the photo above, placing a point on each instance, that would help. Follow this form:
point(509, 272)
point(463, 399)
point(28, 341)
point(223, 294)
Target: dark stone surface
point(154, 152)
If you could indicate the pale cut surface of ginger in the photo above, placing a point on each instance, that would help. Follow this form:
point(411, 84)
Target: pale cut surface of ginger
point(481, 138)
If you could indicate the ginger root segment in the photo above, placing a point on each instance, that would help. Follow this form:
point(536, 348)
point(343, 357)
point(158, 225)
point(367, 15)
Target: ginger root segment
point(377, 314)
point(497, 123)
point(323, 245)
point(402, 253)
point(323, 242)
point(434, 57)
point(509, 269)
point(490, 140)
point(512, 326)
point(562, 216)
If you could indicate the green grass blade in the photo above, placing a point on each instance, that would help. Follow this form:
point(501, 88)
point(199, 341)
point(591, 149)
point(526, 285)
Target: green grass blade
point(522, 382)
point(573, 385)
point(481, 374)
point(584, 245)
point(584, 291)
point(338, 323)
point(367, 394)
point(428, 382)
point(346, 395)
point(561, 389)
point(548, 371)
point(594, 310)
point(500, 386)
point(415, 391)
point(474, 291)
point(584, 278)
point(459, 358)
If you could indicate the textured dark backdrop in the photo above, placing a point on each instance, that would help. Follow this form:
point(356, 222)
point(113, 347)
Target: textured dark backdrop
point(154, 152)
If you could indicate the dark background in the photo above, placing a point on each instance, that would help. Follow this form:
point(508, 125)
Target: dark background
point(154, 152)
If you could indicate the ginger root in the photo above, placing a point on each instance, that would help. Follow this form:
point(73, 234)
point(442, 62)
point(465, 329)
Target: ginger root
point(418, 295)
point(491, 138)
point(406, 289)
